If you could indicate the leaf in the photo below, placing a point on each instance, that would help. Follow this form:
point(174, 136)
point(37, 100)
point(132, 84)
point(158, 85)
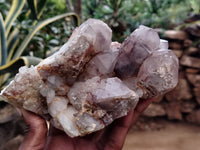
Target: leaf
point(2, 42)
point(15, 9)
point(32, 4)
point(195, 4)
point(12, 43)
point(40, 25)
point(13, 39)
point(40, 8)
point(17, 63)
point(54, 42)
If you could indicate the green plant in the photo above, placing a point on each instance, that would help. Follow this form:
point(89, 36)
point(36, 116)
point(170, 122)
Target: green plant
point(49, 39)
point(11, 48)
point(195, 5)
point(110, 11)
point(123, 16)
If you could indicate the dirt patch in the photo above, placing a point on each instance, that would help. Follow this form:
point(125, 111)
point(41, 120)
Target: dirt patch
point(174, 136)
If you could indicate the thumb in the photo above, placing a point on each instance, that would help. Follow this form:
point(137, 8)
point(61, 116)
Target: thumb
point(36, 137)
point(141, 106)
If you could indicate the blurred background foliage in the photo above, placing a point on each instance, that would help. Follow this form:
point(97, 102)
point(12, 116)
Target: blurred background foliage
point(123, 16)
point(27, 36)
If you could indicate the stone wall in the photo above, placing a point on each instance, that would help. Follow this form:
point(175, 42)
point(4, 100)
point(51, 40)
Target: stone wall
point(183, 103)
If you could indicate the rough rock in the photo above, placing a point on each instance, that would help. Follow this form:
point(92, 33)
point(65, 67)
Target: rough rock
point(172, 34)
point(193, 29)
point(194, 117)
point(178, 53)
point(173, 110)
point(190, 62)
point(194, 79)
point(181, 91)
point(154, 110)
point(175, 45)
point(192, 70)
point(187, 43)
point(191, 51)
point(196, 91)
point(187, 106)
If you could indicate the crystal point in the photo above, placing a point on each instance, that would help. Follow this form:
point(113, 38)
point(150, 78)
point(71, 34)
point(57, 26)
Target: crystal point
point(159, 73)
point(134, 50)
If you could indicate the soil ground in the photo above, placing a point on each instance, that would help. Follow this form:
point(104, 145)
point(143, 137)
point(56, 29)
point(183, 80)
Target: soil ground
point(174, 136)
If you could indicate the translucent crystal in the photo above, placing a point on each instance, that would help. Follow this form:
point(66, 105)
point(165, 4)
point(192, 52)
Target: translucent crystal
point(92, 37)
point(90, 81)
point(159, 73)
point(149, 71)
point(23, 91)
point(102, 64)
point(107, 95)
point(163, 44)
point(134, 50)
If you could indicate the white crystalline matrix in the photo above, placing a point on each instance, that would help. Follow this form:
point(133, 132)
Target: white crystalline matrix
point(91, 80)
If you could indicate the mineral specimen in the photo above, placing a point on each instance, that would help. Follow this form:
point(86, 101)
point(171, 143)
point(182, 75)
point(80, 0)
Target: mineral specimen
point(91, 81)
point(24, 91)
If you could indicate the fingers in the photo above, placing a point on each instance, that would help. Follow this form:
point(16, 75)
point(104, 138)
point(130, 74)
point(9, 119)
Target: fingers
point(141, 106)
point(114, 136)
point(36, 137)
point(57, 140)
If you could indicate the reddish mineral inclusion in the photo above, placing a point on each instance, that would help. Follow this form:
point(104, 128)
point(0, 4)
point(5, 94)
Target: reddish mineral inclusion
point(91, 80)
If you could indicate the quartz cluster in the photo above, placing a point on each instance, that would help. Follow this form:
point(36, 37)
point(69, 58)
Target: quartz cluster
point(91, 80)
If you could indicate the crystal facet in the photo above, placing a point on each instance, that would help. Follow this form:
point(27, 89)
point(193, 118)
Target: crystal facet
point(134, 50)
point(24, 91)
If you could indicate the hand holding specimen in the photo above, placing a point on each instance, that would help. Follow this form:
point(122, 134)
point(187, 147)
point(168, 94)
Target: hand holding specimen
point(91, 80)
